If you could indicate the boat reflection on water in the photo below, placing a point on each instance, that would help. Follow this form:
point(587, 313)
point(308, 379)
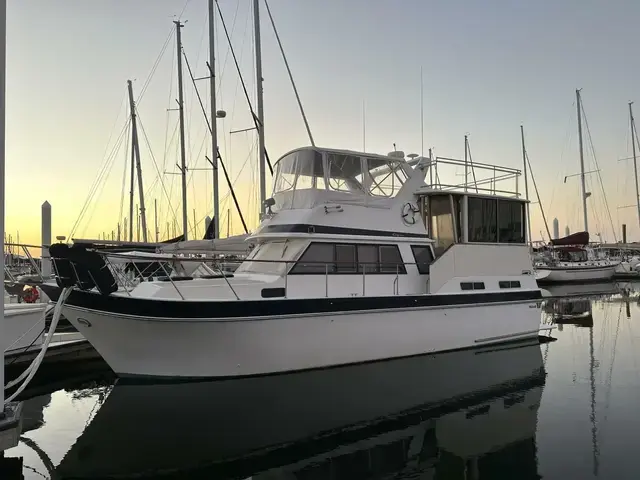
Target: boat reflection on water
point(569, 311)
point(470, 411)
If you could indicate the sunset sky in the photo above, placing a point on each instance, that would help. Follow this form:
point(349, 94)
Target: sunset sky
point(488, 67)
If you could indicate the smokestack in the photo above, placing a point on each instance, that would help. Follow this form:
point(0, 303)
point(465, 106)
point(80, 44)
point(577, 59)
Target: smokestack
point(566, 231)
point(556, 229)
point(624, 233)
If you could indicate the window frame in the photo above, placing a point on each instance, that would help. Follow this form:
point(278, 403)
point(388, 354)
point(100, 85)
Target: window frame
point(413, 252)
point(472, 286)
point(496, 218)
point(509, 284)
point(334, 270)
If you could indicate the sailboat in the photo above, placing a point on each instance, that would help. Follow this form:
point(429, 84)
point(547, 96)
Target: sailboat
point(570, 259)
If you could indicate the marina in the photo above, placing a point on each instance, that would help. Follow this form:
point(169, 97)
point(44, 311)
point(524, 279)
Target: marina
point(529, 410)
point(264, 293)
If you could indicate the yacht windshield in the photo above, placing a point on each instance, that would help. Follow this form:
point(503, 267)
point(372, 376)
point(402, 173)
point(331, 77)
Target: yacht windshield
point(271, 258)
point(297, 170)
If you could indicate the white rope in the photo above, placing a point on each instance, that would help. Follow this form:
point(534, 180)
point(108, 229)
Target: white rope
point(31, 370)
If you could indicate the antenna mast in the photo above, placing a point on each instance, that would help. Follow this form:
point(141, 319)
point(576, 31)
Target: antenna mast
point(183, 165)
point(422, 115)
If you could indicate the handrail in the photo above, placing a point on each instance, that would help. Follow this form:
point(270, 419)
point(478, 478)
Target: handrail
point(487, 174)
point(32, 264)
point(124, 280)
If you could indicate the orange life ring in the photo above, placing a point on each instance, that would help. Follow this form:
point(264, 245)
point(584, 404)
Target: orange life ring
point(31, 295)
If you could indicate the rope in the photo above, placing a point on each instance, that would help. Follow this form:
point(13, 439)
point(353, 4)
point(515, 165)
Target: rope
point(535, 186)
point(124, 179)
point(244, 87)
point(106, 167)
point(156, 63)
point(31, 370)
point(224, 169)
point(293, 83)
point(604, 195)
point(155, 164)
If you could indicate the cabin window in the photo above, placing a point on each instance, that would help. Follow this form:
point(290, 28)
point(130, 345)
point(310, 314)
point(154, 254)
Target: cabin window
point(390, 259)
point(299, 170)
point(385, 178)
point(482, 220)
point(318, 258)
point(510, 221)
point(509, 284)
point(368, 260)
point(346, 258)
point(271, 257)
point(423, 256)
point(345, 173)
point(471, 285)
point(441, 222)
point(571, 254)
point(350, 258)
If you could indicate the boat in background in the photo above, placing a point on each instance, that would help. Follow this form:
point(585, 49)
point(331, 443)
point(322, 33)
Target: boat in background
point(570, 259)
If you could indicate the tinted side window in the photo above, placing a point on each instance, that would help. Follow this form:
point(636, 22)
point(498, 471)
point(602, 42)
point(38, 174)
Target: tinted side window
point(368, 258)
point(423, 256)
point(391, 260)
point(482, 220)
point(345, 258)
point(510, 222)
point(315, 259)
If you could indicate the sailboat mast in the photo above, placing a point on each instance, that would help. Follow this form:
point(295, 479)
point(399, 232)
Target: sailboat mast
point(582, 178)
point(183, 164)
point(260, 104)
point(133, 174)
point(214, 129)
point(136, 150)
point(526, 182)
point(632, 123)
point(155, 217)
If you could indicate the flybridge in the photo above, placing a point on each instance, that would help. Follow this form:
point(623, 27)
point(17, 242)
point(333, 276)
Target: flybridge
point(308, 176)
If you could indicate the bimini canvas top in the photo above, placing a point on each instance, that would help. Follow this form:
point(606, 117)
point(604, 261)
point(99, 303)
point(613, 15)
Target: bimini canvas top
point(578, 238)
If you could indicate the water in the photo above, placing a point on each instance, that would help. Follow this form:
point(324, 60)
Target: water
point(563, 409)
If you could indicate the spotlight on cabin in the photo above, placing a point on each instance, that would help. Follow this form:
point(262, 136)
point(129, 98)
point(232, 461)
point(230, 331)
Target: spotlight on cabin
point(268, 203)
point(221, 114)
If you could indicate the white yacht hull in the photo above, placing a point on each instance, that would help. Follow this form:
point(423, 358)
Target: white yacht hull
point(257, 345)
point(23, 326)
point(574, 274)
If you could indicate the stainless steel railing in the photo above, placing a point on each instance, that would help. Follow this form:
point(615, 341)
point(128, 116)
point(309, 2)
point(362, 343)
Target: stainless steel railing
point(173, 269)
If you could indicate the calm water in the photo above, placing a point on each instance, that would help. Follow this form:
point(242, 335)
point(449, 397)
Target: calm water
point(563, 409)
